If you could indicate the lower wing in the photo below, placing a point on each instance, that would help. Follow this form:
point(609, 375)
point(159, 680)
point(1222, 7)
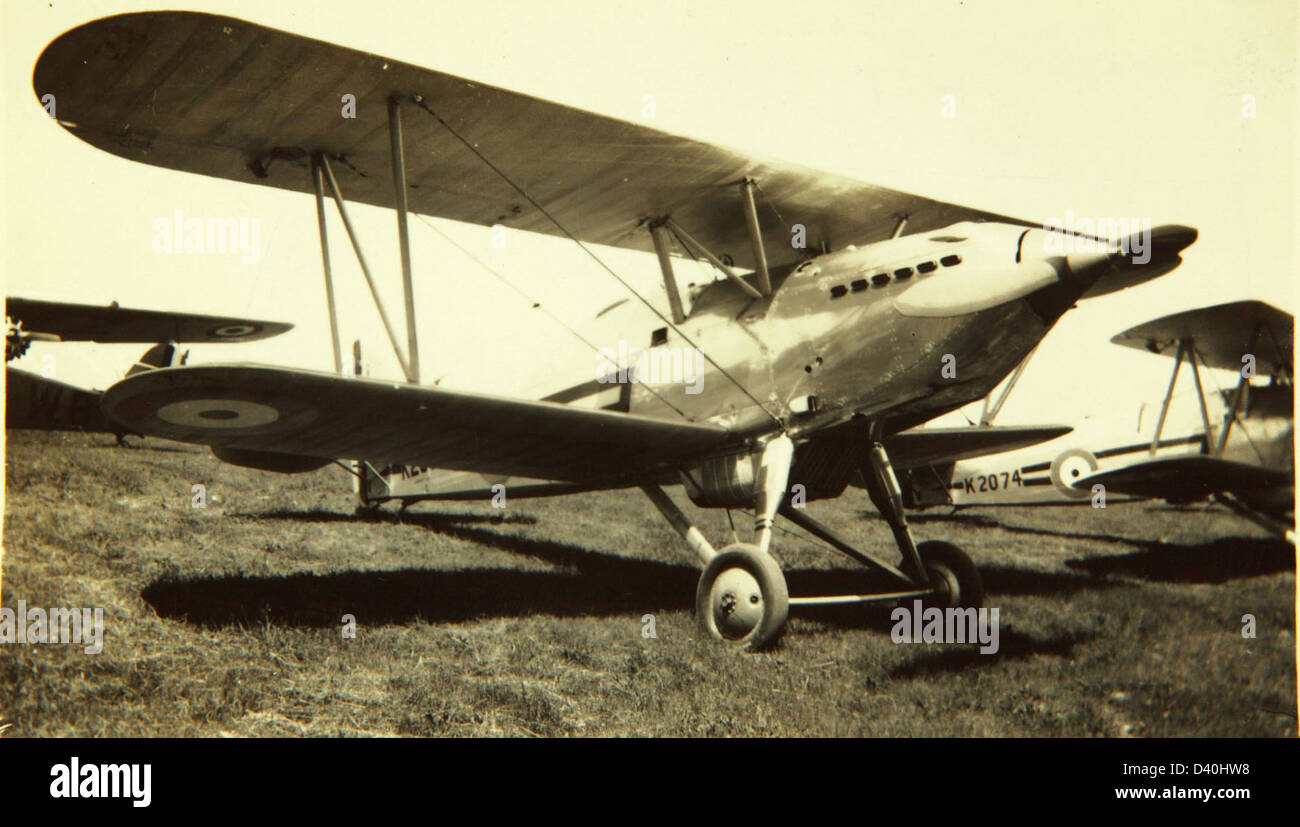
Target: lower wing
point(1189, 477)
point(251, 408)
point(938, 446)
point(70, 322)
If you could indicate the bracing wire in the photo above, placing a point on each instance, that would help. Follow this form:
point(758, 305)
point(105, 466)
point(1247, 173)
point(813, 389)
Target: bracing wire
point(770, 203)
point(534, 303)
point(419, 101)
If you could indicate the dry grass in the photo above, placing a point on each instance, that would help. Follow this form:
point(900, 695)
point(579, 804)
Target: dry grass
point(226, 620)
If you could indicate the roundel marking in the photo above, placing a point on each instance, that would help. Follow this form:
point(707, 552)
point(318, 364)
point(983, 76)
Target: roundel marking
point(233, 331)
point(1070, 466)
point(218, 413)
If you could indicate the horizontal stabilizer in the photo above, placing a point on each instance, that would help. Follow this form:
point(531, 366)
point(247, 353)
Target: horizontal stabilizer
point(33, 401)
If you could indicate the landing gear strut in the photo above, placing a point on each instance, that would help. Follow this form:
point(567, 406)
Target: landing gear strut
point(742, 598)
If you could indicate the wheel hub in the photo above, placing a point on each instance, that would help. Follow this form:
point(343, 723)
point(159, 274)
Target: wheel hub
point(947, 590)
point(737, 603)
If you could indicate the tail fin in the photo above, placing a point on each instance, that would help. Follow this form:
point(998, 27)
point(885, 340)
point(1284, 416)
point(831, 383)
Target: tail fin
point(158, 356)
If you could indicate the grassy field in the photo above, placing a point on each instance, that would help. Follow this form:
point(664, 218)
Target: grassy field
point(226, 620)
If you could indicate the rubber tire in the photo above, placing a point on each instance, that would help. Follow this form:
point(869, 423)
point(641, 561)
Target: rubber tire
point(943, 560)
point(771, 582)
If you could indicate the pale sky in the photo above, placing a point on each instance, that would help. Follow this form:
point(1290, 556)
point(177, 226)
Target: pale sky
point(1106, 110)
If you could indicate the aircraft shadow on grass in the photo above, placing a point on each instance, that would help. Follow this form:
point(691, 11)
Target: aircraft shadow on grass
point(1012, 645)
point(1218, 561)
point(588, 584)
point(135, 444)
point(432, 521)
point(1215, 561)
point(986, 521)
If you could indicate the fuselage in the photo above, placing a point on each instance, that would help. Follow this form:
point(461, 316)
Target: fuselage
point(904, 329)
point(838, 339)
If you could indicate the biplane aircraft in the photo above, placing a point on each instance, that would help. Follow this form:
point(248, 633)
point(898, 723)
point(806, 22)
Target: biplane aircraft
point(823, 354)
point(42, 402)
point(1239, 452)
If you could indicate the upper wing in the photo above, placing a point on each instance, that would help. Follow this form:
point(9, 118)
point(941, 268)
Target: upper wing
point(1222, 335)
point(33, 401)
point(306, 413)
point(97, 323)
point(227, 98)
point(937, 446)
point(1185, 477)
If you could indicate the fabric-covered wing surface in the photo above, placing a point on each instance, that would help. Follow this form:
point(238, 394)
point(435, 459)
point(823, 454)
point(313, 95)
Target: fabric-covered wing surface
point(314, 414)
point(227, 98)
point(1185, 477)
point(1222, 334)
point(936, 446)
point(100, 323)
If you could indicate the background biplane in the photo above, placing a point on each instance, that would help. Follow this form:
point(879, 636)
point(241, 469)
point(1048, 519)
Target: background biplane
point(1238, 451)
point(1247, 461)
point(35, 400)
point(822, 353)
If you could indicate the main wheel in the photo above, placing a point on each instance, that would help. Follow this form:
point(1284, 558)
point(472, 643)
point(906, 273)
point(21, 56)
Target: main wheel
point(953, 575)
point(742, 598)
